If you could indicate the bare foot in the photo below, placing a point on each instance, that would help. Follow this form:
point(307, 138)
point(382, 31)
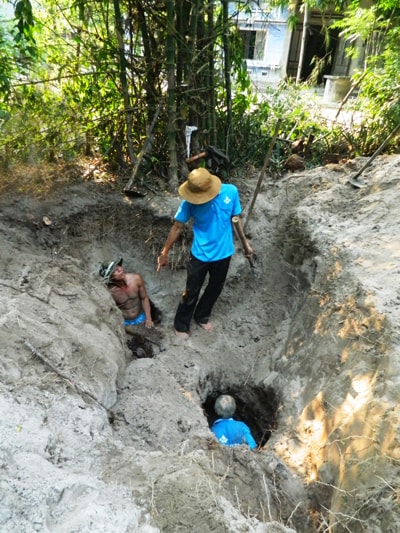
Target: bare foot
point(208, 326)
point(182, 334)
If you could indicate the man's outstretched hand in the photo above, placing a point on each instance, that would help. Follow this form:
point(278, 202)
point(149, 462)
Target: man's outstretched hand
point(162, 261)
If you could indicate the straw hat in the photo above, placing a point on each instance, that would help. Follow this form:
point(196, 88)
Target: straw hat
point(200, 187)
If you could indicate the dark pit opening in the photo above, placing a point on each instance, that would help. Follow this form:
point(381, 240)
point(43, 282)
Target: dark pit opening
point(256, 407)
point(140, 346)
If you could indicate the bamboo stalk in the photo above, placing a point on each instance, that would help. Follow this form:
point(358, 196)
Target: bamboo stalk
point(262, 172)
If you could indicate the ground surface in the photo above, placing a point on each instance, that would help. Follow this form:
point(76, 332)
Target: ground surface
point(94, 439)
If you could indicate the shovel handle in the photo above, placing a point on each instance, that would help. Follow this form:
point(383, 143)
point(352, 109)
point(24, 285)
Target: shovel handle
point(242, 237)
point(196, 157)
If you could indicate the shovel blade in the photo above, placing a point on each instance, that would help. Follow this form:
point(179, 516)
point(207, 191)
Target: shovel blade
point(359, 184)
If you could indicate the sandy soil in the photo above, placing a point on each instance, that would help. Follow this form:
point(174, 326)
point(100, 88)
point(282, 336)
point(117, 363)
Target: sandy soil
point(95, 439)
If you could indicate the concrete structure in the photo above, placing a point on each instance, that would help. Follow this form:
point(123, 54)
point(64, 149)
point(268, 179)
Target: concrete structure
point(272, 49)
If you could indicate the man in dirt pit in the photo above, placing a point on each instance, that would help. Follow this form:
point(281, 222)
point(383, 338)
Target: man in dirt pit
point(130, 295)
point(228, 431)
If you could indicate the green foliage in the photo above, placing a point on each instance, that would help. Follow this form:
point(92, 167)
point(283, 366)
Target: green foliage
point(379, 100)
point(6, 64)
point(239, 68)
point(25, 22)
point(251, 127)
point(61, 92)
point(76, 106)
point(362, 24)
point(255, 122)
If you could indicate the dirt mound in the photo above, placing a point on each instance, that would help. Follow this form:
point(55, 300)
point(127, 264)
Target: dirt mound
point(105, 431)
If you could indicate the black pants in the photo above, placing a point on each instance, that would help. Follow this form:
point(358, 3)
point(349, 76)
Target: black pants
point(196, 274)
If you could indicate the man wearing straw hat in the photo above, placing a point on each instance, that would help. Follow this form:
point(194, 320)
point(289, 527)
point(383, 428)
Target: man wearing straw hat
point(211, 204)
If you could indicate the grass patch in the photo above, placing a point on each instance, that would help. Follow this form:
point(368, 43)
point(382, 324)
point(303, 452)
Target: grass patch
point(41, 179)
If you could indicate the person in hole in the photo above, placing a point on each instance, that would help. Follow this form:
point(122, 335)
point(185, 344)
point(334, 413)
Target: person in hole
point(130, 295)
point(228, 431)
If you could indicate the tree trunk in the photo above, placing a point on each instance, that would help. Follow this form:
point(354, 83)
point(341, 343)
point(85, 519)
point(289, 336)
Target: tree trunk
point(124, 80)
point(210, 75)
point(191, 14)
point(227, 73)
point(151, 72)
point(171, 101)
point(303, 41)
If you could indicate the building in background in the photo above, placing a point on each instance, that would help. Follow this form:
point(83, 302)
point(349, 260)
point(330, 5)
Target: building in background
point(272, 49)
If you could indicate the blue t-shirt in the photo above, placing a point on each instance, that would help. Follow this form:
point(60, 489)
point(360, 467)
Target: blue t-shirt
point(233, 433)
point(212, 227)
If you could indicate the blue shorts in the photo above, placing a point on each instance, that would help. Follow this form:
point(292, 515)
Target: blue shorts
point(135, 321)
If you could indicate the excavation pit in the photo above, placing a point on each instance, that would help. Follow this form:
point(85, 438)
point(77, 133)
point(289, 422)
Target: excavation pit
point(256, 407)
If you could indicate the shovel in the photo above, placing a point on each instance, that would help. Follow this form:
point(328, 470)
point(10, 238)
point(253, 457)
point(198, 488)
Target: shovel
point(243, 241)
point(361, 183)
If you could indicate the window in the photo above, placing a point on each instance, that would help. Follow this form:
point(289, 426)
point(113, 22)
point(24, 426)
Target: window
point(253, 44)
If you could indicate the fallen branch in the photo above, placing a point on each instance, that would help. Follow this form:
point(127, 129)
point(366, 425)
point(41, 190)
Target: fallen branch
point(347, 96)
point(354, 179)
point(143, 151)
point(47, 363)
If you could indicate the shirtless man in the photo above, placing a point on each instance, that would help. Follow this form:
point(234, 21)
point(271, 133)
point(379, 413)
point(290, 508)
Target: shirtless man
point(129, 293)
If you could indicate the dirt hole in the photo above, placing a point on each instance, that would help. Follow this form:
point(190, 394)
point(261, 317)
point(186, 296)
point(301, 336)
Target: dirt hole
point(257, 407)
point(140, 347)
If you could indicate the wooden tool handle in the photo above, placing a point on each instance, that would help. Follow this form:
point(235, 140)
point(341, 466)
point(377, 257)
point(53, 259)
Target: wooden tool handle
point(196, 157)
point(243, 241)
point(240, 232)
